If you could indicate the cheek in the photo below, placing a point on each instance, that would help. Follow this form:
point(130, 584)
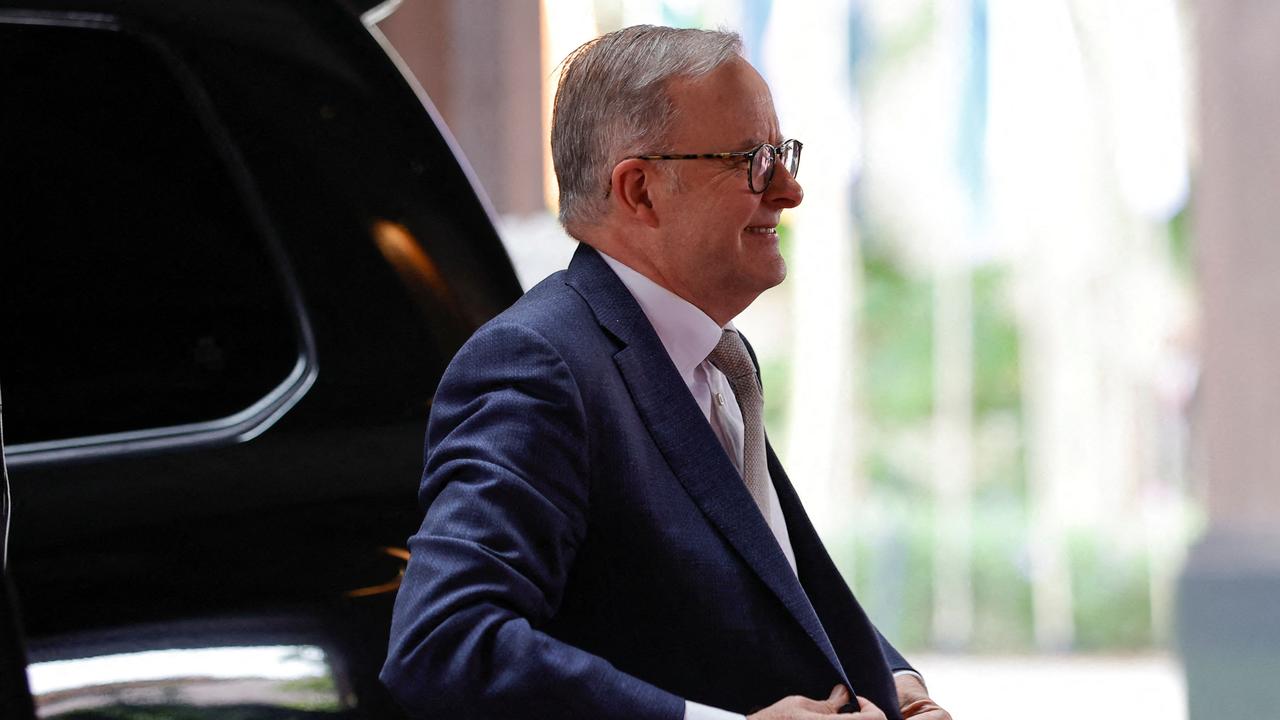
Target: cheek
point(735, 212)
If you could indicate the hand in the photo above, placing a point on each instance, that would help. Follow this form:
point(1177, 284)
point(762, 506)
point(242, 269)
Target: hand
point(914, 701)
point(803, 708)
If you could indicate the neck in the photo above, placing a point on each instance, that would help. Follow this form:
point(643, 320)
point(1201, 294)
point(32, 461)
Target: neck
point(718, 309)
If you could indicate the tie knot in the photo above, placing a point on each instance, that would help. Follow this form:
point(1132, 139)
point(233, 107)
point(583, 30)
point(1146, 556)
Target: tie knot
point(731, 357)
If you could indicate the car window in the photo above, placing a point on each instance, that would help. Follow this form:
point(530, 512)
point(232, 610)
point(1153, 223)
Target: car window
point(137, 289)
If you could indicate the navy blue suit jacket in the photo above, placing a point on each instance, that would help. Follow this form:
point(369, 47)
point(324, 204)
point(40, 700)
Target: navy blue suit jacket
point(589, 551)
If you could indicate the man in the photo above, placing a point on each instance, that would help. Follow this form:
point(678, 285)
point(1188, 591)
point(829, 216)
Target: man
point(607, 534)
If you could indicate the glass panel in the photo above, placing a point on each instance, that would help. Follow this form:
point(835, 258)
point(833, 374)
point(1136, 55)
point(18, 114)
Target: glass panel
point(135, 291)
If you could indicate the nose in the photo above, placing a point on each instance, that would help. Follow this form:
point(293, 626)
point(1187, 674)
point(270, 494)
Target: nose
point(784, 190)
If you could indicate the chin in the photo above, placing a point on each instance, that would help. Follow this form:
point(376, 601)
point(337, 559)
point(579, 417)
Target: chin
point(779, 272)
point(765, 279)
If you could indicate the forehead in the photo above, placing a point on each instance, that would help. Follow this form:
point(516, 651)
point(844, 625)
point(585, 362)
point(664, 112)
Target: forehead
point(726, 108)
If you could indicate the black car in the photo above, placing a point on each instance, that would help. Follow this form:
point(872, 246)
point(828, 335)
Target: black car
point(237, 250)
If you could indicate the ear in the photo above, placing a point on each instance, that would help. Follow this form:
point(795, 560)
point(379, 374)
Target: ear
point(631, 186)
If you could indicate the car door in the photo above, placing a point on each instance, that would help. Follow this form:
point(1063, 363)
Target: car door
point(238, 251)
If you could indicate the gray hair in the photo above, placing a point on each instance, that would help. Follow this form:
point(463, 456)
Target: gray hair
point(612, 102)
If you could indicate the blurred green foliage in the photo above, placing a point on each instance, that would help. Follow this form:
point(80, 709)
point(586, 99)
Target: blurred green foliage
point(888, 556)
point(775, 374)
point(1179, 239)
point(891, 569)
point(1001, 584)
point(1111, 588)
point(889, 559)
point(897, 328)
point(898, 332)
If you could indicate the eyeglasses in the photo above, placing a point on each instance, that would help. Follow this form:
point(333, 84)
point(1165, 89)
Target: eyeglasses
point(761, 161)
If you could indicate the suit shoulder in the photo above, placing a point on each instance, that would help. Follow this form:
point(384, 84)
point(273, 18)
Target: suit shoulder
point(551, 309)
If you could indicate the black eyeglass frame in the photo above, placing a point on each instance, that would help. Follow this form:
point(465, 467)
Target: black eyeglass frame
point(749, 154)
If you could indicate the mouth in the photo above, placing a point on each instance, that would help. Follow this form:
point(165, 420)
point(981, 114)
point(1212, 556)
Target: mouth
point(766, 230)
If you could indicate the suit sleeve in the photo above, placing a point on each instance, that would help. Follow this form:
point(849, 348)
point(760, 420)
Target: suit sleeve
point(897, 663)
point(506, 493)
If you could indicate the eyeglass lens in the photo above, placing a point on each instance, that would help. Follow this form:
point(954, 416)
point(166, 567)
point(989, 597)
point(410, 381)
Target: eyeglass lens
point(763, 163)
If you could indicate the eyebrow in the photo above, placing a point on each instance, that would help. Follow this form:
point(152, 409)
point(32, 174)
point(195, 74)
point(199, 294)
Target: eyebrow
point(754, 141)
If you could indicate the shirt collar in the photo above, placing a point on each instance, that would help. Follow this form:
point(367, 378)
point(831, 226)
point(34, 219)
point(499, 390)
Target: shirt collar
point(686, 332)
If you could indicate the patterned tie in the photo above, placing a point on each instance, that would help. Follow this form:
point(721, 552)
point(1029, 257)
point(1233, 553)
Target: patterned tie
point(732, 359)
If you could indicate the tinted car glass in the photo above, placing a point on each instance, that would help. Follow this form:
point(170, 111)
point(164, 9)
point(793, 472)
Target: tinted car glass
point(127, 246)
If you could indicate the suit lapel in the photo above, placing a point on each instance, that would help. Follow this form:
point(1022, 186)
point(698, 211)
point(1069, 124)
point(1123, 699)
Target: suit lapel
point(854, 637)
point(686, 440)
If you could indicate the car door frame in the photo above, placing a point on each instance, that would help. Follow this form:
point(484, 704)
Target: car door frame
point(15, 693)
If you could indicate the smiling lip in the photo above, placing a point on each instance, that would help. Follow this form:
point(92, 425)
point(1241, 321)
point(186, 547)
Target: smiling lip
point(762, 229)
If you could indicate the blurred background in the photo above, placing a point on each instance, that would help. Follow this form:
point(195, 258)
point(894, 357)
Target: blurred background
point(985, 372)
